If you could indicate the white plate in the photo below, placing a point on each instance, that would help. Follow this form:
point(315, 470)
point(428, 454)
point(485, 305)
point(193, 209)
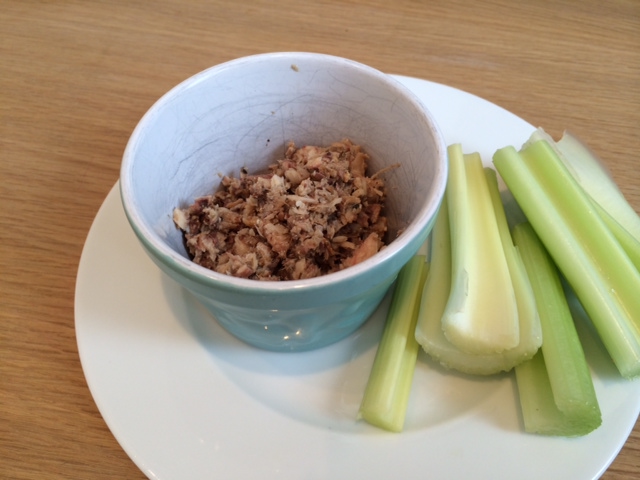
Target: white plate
point(187, 400)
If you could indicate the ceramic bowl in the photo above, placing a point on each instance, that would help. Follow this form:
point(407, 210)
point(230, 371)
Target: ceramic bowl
point(242, 114)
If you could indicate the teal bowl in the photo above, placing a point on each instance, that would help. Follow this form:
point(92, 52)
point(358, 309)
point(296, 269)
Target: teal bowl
point(242, 114)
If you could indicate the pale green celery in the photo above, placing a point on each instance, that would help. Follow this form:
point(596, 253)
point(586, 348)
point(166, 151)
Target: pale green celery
point(386, 395)
point(586, 252)
point(561, 373)
point(481, 315)
point(594, 178)
point(429, 332)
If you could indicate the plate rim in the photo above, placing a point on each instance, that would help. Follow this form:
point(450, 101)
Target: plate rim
point(130, 448)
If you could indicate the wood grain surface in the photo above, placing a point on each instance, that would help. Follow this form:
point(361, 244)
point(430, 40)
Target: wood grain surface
point(76, 76)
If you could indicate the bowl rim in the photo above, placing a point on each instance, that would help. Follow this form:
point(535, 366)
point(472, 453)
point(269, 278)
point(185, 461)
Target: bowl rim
point(185, 266)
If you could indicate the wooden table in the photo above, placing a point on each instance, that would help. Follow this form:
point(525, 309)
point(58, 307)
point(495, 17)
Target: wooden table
point(75, 78)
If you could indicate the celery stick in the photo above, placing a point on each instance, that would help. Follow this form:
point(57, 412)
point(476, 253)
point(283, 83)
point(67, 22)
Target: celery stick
point(481, 314)
point(434, 299)
point(386, 396)
point(589, 256)
point(569, 378)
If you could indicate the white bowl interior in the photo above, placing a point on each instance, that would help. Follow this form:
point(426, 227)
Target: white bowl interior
point(244, 112)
